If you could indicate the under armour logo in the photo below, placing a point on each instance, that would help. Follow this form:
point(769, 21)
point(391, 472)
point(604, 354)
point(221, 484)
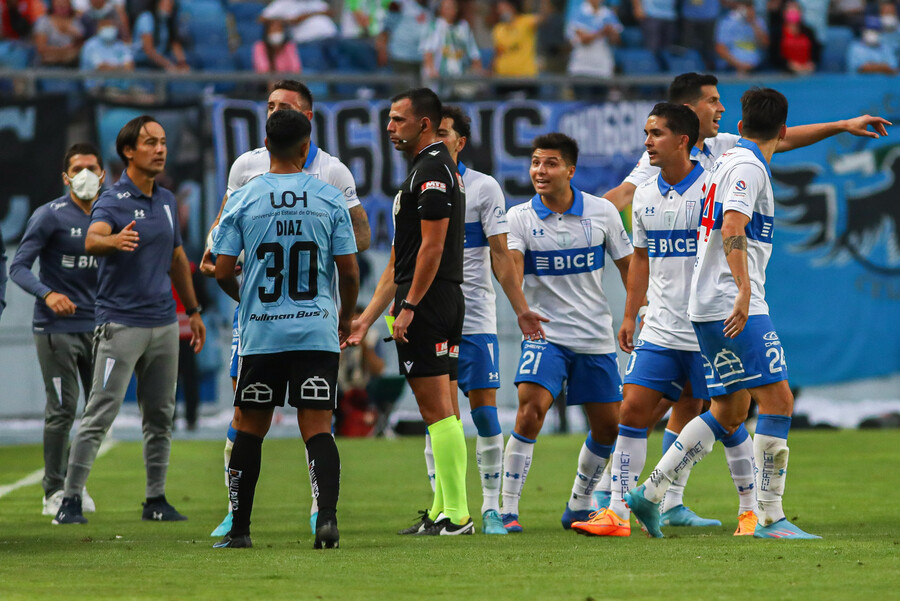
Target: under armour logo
point(537, 232)
point(139, 214)
point(157, 515)
point(75, 232)
point(513, 476)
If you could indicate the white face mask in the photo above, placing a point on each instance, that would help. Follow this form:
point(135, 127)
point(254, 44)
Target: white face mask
point(85, 184)
point(276, 38)
point(108, 33)
point(889, 22)
point(871, 37)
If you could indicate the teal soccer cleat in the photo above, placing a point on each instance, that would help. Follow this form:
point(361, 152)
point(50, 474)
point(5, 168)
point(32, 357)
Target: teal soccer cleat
point(223, 528)
point(491, 523)
point(782, 529)
point(683, 516)
point(646, 512)
point(600, 500)
point(313, 518)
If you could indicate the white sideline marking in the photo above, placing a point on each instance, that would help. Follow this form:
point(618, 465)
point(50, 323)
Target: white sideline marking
point(36, 476)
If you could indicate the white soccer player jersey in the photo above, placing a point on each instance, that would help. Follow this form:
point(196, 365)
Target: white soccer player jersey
point(664, 221)
point(713, 148)
point(740, 181)
point(485, 217)
point(564, 260)
point(319, 164)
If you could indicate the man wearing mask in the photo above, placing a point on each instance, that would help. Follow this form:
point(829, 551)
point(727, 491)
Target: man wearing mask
point(91, 12)
point(106, 52)
point(871, 54)
point(890, 25)
point(64, 290)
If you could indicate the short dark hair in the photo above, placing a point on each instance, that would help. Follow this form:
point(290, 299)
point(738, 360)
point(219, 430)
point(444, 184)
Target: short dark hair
point(286, 133)
point(81, 148)
point(687, 88)
point(763, 112)
point(680, 120)
point(567, 147)
point(292, 85)
point(425, 103)
point(129, 134)
point(462, 124)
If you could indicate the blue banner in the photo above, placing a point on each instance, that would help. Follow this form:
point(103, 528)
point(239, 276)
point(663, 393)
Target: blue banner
point(834, 278)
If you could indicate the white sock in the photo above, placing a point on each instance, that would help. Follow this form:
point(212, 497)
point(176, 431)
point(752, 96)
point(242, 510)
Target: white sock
point(516, 462)
point(772, 453)
point(228, 446)
point(489, 456)
point(695, 441)
point(743, 473)
point(627, 463)
point(605, 484)
point(590, 468)
point(314, 508)
point(429, 461)
point(675, 493)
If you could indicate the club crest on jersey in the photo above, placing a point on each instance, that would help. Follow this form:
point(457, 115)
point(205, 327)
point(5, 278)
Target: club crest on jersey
point(689, 211)
point(588, 231)
point(434, 185)
point(140, 214)
point(441, 348)
point(75, 232)
point(728, 365)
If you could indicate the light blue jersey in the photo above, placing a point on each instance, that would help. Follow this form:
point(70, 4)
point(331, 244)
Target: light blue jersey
point(290, 228)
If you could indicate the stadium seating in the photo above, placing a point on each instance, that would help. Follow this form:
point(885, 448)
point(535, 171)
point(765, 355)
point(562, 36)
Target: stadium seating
point(834, 51)
point(246, 20)
point(205, 22)
point(632, 38)
point(677, 60)
point(636, 61)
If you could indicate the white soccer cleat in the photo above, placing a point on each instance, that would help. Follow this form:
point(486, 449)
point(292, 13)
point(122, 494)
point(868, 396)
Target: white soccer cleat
point(87, 502)
point(52, 503)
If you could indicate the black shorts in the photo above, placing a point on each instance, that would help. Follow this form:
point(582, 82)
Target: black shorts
point(435, 332)
point(262, 380)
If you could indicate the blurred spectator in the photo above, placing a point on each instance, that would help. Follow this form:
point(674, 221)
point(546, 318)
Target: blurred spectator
point(275, 53)
point(849, 13)
point(794, 45)
point(90, 12)
point(17, 18)
point(698, 28)
point(741, 39)
point(450, 48)
point(157, 40)
point(592, 30)
point(552, 45)
point(58, 36)
point(890, 25)
point(406, 24)
point(363, 18)
point(106, 52)
point(815, 14)
point(311, 29)
point(658, 21)
point(871, 54)
point(514, 40)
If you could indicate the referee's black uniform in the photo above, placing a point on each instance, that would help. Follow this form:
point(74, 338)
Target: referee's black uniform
point(433, 190)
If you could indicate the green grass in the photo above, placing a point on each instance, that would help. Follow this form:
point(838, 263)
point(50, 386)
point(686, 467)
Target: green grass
point(842, 485)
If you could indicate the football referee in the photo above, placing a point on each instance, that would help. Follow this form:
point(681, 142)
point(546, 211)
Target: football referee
point(423, 279)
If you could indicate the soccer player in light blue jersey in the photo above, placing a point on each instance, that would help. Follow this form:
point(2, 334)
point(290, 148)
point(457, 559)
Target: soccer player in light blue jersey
point(293, 230)
point(731, 319)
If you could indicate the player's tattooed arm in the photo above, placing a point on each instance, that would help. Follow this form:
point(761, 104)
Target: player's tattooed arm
point(360, 222)
point(734, 243)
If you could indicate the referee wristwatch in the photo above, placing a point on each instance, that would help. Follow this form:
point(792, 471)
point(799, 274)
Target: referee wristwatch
point(194, 311)
point(405, 304)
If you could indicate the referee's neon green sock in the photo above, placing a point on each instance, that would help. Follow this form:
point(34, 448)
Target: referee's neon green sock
point(449, 445)
point(437, 505)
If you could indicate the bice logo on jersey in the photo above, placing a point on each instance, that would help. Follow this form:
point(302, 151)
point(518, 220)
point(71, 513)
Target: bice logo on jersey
point(441, 348)
point(433, 185)
point(75, 232)
point(139, 214)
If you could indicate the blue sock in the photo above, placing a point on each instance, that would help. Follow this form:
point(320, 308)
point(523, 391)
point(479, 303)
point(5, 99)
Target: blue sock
point(777, 426)
point(231, 433)
point(486, 421)
point(668, 438)
point(737, 437)
point(714, 425)
point(601, 450)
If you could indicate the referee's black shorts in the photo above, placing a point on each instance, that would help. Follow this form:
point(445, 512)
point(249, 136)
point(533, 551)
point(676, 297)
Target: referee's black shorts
point(435, 332)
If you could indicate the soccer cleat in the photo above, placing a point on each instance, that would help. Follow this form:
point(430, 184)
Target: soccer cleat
point(570, 516)
point(160, 511)
point(241, 541)
point(52, 503)
point(87, 502)
point(327, 536)
point(442, 526)
point(491, 523)
point(746, 523)
point(511, 522)
point(646, 512)
point(781, 529)
point(70, 512)
point(223, 528)
point(423, 522)
point(313, 517)
point(680, 515)
point(600, 500)
point(604, 523)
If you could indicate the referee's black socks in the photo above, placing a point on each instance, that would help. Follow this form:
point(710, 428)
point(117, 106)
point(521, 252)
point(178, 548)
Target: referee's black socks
point(324, 475)
point(243, 473)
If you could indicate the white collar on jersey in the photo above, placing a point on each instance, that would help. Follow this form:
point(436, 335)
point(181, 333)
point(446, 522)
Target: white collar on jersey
point(752, 147)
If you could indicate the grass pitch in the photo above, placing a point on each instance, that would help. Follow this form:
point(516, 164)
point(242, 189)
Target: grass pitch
point(842, 485)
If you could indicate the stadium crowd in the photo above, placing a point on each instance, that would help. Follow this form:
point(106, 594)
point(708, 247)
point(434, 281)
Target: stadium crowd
point(447, 38)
